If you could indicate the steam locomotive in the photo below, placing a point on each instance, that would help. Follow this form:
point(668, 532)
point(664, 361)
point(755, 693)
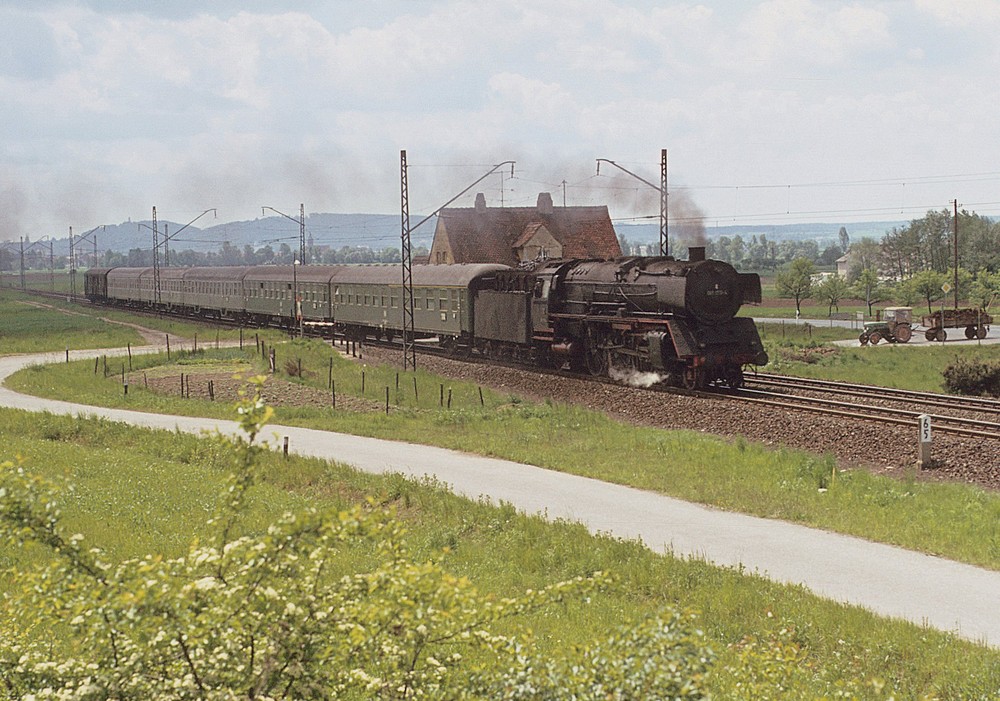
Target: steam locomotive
point(659, 315)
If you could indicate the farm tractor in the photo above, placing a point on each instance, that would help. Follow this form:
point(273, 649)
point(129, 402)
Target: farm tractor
point(892, 324)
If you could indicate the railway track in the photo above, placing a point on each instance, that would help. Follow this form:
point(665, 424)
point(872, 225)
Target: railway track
point(948, 414)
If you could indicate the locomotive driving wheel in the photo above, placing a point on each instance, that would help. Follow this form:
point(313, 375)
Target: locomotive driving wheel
point(694, 378)
point(596, 356)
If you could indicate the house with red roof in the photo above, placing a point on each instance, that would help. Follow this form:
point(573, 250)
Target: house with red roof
point(511, 235)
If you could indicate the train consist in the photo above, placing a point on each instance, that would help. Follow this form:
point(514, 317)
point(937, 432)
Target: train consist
point(608, 317)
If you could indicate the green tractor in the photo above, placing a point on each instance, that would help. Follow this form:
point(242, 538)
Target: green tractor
point(892, 324)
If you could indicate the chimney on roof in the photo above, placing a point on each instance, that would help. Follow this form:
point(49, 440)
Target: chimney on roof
point(545, 203)
point(480, 203)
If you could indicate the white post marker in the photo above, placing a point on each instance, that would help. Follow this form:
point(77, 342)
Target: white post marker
point(924, 450)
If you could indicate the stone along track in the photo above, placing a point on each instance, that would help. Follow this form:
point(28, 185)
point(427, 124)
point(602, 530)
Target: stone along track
point(856, 441)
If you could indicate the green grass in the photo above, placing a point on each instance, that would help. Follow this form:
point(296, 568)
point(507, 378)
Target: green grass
point(25, 328)
point(138, 491)
point(956, 521)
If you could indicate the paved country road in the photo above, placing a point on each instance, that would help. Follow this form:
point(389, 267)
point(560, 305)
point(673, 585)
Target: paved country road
point(887, 580)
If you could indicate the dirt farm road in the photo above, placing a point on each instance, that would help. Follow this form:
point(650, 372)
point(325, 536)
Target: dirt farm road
point(887, 580)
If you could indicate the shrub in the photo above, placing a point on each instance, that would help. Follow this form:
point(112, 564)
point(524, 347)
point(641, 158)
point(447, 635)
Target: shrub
point(973, 377)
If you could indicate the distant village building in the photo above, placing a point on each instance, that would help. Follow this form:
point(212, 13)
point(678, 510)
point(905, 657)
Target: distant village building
point(844, 265)
point(510, 235)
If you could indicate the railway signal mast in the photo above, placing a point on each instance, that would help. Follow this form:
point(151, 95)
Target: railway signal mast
point(409, 349)
point(661, 188)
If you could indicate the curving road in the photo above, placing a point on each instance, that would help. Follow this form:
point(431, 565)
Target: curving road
point(889, 581)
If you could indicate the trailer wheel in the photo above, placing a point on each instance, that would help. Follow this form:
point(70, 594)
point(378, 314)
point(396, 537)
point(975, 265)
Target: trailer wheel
point(929, 334)
point(940, 335)
point(970, 332)
point(981, 332)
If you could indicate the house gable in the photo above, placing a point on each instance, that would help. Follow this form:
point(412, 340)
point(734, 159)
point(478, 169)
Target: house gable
point(508, 235)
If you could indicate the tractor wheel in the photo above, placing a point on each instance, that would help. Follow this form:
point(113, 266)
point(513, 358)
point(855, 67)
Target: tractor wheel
point(863, 339)
point(903, 333)
point(875, 337)
point(970, 332)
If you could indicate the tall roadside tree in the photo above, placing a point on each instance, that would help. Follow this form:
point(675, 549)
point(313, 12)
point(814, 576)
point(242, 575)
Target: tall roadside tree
point(830, 291)
point(868, 287)
point(927, 285)
point(795, 281)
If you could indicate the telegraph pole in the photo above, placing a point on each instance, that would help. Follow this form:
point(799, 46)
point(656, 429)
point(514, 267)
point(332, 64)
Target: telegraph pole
point(664, 239)
point(955, 237)
point(156, 259)
point(302, 233)
point(409, 347)
point(72, 267)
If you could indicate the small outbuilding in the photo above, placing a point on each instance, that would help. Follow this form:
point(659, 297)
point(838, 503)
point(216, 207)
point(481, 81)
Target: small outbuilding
point(511, 235)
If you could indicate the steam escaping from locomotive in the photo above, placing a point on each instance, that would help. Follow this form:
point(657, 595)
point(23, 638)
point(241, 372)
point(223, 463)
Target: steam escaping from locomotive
point(636, 378)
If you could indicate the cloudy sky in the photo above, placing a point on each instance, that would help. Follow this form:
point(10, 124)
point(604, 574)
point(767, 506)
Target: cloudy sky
point(772, 112)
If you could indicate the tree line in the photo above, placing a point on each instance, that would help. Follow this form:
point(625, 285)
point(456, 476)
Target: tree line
point(913, 264)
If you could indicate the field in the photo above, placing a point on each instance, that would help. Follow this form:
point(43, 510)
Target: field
point(142, 484)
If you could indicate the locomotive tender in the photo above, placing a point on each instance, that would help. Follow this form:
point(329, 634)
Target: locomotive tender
point(608, 317)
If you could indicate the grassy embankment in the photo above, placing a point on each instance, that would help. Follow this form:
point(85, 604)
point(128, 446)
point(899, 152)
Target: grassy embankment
point(139, 491)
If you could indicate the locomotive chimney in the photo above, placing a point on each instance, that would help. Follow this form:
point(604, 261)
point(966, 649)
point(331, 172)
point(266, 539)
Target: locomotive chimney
point(480, 203)
point(545, 203)
point(696, 253)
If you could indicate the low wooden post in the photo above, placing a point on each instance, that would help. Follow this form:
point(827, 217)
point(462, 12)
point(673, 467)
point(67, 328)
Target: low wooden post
point(182, 385)
point(387, 400)
point(194, 348)
point(441, 398)
point(924, 445)
point(125, 385)
point(241, 338)
point(333, 393)
point(211, 390)
point(449, 397)
point(481, 402)
point(284, 447)
point(416, 397)
point(362, 382)
point(329, 374)
point(168, 346)
point(67, 355)
point(97, 362)
point(129, 346)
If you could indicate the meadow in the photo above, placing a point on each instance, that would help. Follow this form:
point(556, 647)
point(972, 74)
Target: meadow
point(133, 492)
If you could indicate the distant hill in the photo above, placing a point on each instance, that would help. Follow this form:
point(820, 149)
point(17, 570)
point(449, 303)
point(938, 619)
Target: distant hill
point(379, 231)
